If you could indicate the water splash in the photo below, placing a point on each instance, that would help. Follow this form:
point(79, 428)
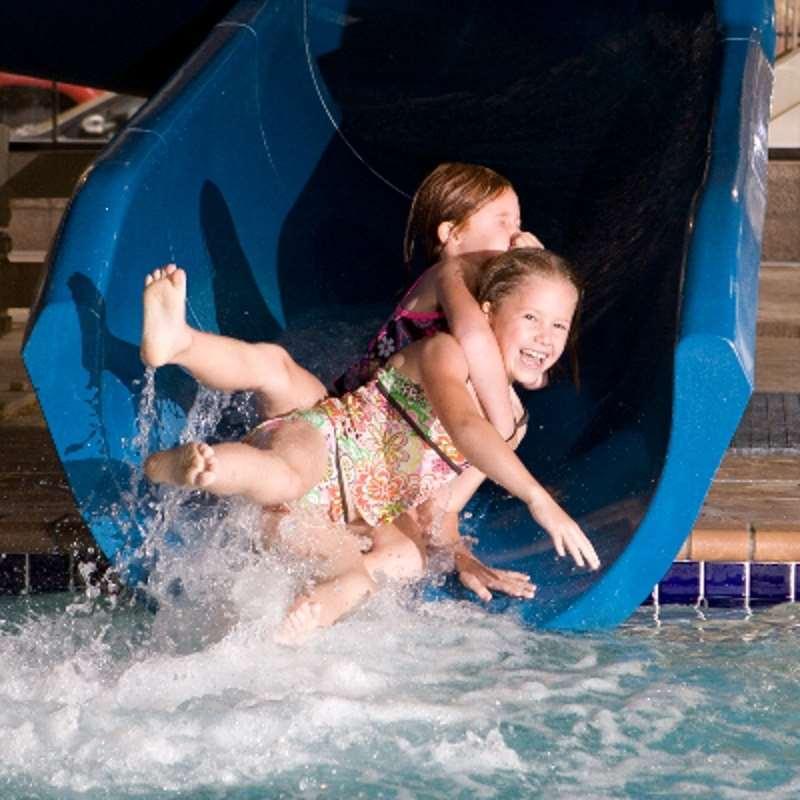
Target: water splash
point(403, 698)
point(103, 698)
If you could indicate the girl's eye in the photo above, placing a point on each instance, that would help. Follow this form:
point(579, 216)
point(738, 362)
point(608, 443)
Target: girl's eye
point(531, 317)
point(561, 326)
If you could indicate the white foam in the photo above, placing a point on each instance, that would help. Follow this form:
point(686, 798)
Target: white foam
point(427, 690)
point(108, 700)
point(473, 753)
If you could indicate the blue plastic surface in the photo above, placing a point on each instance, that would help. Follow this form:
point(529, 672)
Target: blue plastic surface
point(258, 168)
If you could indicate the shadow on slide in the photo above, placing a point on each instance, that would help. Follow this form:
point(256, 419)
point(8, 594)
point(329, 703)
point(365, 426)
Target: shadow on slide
point(277, 165)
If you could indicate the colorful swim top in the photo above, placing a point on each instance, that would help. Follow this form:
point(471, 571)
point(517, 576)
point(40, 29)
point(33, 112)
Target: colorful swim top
point(399, 331)
point(387, 451)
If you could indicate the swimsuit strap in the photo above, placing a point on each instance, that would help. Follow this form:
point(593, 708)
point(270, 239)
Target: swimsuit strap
point(409, 400)
point(523, 420)
point(404, 313)
point(400, 311)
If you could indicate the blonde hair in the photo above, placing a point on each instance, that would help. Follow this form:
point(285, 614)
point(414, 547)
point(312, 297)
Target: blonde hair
point(503, 273)
point(453, 192)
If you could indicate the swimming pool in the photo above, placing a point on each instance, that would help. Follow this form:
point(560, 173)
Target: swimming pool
point(105, 699)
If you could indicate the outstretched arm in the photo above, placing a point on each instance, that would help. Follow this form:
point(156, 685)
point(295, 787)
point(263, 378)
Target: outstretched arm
point(472, 572)
point(444, 372)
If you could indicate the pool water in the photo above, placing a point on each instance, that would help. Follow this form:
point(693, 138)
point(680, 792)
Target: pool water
point(405, 699)
point(185, 695)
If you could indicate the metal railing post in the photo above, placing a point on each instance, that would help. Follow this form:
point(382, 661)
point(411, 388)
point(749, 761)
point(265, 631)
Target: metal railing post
point(5, 220)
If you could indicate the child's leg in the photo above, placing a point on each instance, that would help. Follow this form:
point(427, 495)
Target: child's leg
point(324, 605)
point(438, 516)
point(395, 554)
point(219, 362)
point(398, 551)
point(293, 460)
point(341, 581)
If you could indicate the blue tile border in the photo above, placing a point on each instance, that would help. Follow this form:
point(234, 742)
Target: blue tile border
point(686, 582)
point(681, 584)
point(49, 573)
point(38, 573)
point(728, 583)
point(771, 583)
point(13, 571)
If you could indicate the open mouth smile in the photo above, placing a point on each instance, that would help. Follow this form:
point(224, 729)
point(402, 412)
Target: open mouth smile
point(533, 357)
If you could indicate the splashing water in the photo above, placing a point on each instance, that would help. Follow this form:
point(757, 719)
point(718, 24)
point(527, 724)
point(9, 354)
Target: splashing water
point(404, 699)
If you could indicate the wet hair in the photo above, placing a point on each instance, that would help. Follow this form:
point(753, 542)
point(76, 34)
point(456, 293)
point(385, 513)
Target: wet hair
point(453, 192)
point(503, 273)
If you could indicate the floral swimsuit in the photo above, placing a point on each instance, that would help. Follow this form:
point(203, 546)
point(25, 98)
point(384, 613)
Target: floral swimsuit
point(387, 451)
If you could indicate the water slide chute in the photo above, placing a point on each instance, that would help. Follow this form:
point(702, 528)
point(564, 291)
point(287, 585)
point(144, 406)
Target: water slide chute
point(277, 163)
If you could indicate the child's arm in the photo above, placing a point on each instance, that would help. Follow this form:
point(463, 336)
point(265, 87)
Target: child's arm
point(451, 499)
point(472, 331)
point(479, 578)
point(444, 372)
point(439, 516)
point(525, 239)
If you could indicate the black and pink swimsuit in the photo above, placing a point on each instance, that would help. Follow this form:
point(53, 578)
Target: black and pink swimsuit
point(399, 331)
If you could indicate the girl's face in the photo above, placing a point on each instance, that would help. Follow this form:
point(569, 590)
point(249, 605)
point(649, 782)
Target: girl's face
point(489, 228)
point(532, 325)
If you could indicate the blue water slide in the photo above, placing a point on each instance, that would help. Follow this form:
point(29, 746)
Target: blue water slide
point(276, 166)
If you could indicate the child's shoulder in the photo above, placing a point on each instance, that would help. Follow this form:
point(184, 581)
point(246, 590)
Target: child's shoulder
point(422, 296)
point(443, 349)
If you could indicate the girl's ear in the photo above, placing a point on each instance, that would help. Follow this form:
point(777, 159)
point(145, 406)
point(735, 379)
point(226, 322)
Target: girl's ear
point(444, 230)
point(486, 307)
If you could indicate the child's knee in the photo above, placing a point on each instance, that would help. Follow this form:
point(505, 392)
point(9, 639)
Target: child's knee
point(399, 560)
point(271, 364)
point(412, 557)
point(361, 584)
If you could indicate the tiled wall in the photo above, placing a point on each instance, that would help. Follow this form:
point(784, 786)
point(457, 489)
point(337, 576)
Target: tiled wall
point(720, 583)
point(23, 573)
point(687, 582)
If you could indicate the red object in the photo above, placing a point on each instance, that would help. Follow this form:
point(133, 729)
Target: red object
point(78, 94)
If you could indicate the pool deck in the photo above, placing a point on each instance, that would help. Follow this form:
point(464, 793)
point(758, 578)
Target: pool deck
point(752, 512)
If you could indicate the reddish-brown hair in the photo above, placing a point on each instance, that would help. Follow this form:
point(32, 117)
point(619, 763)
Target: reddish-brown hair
point(453, 192)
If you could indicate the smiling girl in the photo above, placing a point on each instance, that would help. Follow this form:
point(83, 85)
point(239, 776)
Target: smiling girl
point(390, 445)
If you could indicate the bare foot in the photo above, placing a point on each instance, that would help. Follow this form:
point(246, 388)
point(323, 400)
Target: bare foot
point(193, 464)
point(301, 621)
point(164, 332)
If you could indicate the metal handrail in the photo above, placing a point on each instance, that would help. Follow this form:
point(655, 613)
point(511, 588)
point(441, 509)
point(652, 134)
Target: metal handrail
point(787, 27)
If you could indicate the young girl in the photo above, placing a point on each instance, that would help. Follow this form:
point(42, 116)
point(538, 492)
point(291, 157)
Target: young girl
point(460, 214)
point(388, 446)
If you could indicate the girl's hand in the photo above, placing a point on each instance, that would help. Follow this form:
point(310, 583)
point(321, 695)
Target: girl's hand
point(525, 239)
point(479, 578)
point(564, 531)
